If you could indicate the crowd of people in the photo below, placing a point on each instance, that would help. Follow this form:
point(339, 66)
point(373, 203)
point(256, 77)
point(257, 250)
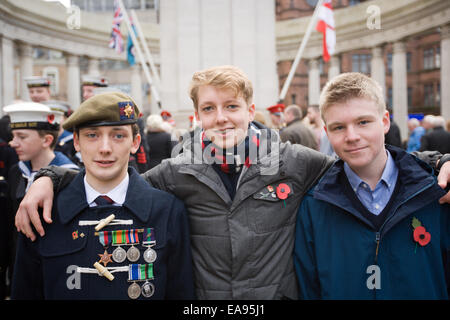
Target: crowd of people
point(304, 206)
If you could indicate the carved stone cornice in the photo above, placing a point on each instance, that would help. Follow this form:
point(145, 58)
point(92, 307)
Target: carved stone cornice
point(43, 24)
point(399, 19)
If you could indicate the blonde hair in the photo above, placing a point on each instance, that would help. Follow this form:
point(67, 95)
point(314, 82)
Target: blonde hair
point(222, 77)
point(348, 86)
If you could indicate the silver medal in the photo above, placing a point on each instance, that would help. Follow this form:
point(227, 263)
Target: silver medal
point(134, 291)
point(133, 254)
point(148, 289)
point(119, 255)
point(150, 255)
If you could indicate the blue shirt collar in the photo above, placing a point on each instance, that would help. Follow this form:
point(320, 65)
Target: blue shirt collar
point(389, 176)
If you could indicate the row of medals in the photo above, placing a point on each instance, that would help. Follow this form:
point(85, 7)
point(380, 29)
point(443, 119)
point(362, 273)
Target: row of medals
point(133, 254)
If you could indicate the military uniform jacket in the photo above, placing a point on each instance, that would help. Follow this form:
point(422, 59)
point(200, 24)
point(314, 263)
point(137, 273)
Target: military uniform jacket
point(46, 268)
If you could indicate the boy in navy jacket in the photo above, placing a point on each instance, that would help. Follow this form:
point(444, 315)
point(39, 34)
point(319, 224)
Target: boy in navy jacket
point(372, 227)
point(114, 236)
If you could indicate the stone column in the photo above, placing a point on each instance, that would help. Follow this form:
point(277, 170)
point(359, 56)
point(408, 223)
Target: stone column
point(136, 85)
point(377, 68)
point(93, 67)
point(73, 80)
point(7, 62)
point(199, 34)
point(26, 68)
point(445, 71)
point(399, 88)
point(313, 82)
point(335, 67)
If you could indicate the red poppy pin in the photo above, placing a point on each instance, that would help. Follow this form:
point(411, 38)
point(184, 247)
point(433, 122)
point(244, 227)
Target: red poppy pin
point(51, 118)
point(420, 234)
point(283, 191)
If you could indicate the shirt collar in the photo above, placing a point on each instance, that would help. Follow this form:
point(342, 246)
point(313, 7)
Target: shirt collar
point(117, 194)
point(389, 176)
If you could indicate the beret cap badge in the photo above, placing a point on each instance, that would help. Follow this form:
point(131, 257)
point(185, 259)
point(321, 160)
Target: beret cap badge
point(128, 110)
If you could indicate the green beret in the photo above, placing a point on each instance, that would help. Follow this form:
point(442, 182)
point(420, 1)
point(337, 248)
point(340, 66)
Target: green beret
point(106, 109)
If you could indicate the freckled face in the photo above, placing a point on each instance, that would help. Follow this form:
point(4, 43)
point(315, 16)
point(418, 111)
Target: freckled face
point(223, 116)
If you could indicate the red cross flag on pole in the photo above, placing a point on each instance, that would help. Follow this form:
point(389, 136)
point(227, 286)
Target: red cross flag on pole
point(325, 25)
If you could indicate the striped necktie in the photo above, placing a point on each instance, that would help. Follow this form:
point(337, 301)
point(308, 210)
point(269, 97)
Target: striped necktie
point(103, 201)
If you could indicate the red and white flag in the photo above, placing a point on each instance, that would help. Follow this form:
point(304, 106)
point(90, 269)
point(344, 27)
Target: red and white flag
point(325, 25)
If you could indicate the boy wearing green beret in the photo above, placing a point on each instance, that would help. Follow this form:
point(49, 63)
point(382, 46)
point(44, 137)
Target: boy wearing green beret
point(242, 188)
point(113, 236)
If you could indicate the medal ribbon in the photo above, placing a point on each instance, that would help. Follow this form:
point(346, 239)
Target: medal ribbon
point(104, 237)
point(149, 236)
point(125, 236)
point(140, 272)
point(118, 237)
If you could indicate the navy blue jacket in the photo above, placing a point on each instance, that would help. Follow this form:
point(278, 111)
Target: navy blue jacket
point(336, 246)
point(45, 268)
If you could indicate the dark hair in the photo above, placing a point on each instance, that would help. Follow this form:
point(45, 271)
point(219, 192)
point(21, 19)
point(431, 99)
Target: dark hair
point(53, 133)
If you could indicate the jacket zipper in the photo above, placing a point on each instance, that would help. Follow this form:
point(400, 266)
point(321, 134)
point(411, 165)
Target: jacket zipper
point(378, 233)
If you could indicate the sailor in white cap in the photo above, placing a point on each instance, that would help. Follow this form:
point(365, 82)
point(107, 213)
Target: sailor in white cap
point(38, 88)
point(35, 129)
point(90, 83)
point(65, 139)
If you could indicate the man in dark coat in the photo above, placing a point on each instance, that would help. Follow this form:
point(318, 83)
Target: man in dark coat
point(296, 132)
point(437, 139)
point(8, 158)
point(393, 137)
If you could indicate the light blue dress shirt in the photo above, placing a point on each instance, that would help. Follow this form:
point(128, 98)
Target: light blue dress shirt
point(375, 200)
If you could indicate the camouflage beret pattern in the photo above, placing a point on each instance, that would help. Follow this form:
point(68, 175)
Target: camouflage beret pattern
point(106, 109)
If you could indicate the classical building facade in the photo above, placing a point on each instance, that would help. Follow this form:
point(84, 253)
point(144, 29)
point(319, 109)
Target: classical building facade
point(403, 44)
point(42, 38)
point(408, 53)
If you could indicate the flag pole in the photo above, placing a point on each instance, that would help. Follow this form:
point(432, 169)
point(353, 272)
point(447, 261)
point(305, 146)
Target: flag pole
point(139, 53)
point(146, 49)
point(300, 51)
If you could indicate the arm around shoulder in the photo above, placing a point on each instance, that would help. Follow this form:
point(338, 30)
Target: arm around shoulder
point(60, 176)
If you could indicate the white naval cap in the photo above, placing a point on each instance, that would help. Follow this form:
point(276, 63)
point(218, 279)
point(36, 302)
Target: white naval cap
point(31, 115)
point(58, 105)
point(36, 81)
point(88, 80)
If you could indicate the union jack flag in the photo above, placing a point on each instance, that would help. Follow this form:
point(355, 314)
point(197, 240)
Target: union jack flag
point(116, 41)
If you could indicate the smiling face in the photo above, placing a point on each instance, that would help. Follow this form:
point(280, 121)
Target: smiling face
point(39, 94)
point(105, 151)
point(223, 116)
point(356, 130)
